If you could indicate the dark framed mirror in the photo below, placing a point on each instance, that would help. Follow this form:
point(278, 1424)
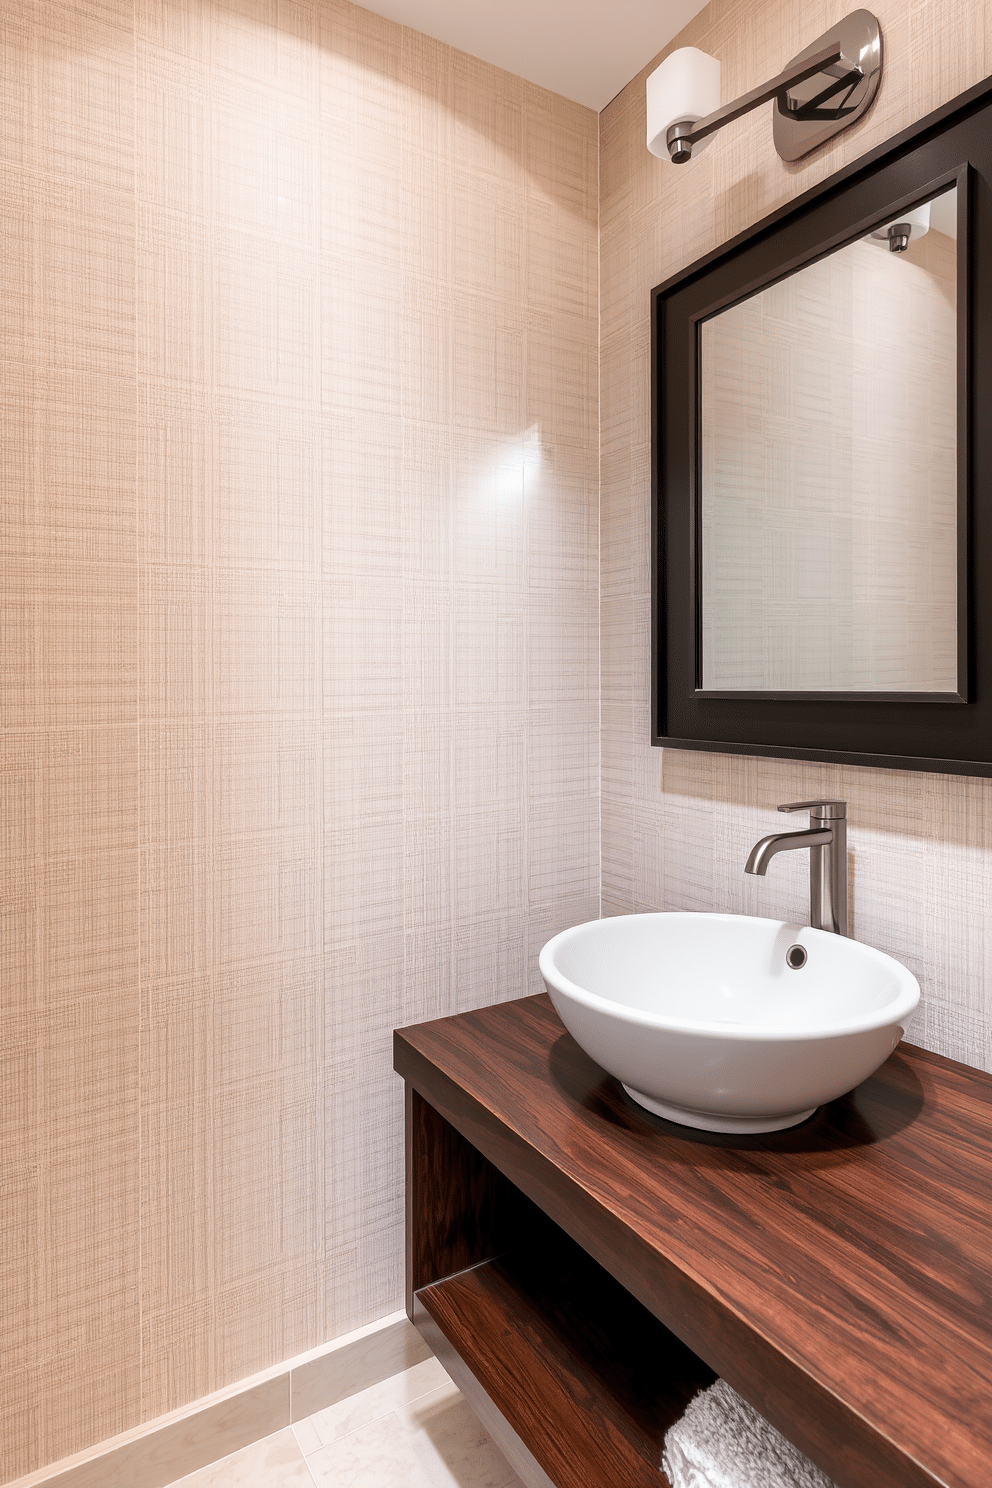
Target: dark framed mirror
point(822, 522)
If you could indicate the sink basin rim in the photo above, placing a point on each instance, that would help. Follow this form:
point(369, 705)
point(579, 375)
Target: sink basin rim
point(898, 1009)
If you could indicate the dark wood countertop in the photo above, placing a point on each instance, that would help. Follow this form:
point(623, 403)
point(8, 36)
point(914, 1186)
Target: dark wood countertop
point(839, 1275)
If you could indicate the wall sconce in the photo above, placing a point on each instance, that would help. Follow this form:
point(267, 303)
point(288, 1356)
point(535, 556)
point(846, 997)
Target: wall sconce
point(827, 87)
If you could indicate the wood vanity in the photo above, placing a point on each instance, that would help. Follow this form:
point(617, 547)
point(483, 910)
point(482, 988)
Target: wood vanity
point(581, 1267)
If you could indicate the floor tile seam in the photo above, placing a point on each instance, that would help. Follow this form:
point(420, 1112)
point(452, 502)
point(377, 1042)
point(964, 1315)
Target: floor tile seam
point(393, 1410)
point(347, 1435)
point(229, 1457)
point(405, 1405)
point(306, 1464)
point(303, 1455)
point(296, 1436)
point(434, 1390)
point(417, 1476)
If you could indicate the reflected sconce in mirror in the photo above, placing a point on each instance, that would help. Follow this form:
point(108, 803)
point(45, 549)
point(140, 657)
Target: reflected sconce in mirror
point(828, 87)
point(899, 235)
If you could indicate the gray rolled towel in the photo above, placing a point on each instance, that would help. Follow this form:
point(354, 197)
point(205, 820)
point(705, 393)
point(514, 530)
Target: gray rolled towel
point(722, 1442)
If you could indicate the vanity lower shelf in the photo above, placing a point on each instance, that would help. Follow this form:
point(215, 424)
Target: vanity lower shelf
point(580, 1372)
point(839, 1275)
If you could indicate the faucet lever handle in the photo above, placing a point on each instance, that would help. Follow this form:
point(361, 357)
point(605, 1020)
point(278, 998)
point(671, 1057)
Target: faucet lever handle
point(819, 810)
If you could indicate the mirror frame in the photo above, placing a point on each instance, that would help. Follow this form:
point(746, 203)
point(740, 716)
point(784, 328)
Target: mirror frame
point(948, 732)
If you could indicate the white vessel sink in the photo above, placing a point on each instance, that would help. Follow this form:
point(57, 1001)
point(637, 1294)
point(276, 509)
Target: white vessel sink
point(705, 1022)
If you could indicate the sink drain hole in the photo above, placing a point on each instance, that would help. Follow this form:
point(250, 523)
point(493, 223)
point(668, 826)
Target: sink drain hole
point(796, 957)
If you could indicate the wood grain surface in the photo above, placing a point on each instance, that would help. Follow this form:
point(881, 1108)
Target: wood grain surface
point(579, 1368)
point(838, 1275)
point(460, 1209)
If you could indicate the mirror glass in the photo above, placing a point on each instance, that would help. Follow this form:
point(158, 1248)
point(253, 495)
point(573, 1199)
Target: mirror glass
point(828, 471)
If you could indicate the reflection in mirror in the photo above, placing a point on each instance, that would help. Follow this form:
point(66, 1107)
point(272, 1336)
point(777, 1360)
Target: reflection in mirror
point(828, 471)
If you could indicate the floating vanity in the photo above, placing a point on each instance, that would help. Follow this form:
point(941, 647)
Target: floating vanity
point(582, 1267)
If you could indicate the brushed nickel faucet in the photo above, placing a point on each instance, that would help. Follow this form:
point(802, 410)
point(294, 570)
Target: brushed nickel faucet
point(826, 838)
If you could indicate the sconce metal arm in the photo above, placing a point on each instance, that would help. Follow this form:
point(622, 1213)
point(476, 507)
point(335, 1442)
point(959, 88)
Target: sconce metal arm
point(682, 135)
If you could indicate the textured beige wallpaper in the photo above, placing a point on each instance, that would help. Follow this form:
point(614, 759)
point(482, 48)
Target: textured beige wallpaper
point(677, 826)
point(300, 638)
point(300, 683)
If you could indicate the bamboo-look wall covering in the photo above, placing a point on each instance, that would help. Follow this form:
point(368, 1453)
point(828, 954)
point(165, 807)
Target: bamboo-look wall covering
point(300, 669)
point(677, 826)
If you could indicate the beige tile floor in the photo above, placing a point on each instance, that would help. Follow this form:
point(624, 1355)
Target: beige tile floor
point(415, 1430)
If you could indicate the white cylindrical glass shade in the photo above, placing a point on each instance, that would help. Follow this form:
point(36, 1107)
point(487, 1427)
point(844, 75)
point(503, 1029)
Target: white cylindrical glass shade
point(919, 224)
point(685, 86)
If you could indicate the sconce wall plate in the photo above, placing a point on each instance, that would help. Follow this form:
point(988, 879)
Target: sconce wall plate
point(812, 111)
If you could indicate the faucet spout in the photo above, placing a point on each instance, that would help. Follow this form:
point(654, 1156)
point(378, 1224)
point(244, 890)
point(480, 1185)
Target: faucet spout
point(762, 852)
point(826, 839)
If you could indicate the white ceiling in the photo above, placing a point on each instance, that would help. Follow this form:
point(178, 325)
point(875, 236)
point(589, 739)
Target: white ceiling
point(586, 50)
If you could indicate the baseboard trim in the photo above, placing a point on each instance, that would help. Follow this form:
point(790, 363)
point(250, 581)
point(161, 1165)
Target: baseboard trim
point(160, 1451)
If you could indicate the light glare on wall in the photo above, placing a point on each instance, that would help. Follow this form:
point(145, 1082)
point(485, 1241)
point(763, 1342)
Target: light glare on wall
point(515, 467)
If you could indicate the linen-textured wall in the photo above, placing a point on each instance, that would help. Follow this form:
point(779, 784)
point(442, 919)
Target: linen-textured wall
point(300, 681)
point(677, 826)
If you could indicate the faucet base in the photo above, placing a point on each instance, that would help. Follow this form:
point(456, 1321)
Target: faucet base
point(744, 1126)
